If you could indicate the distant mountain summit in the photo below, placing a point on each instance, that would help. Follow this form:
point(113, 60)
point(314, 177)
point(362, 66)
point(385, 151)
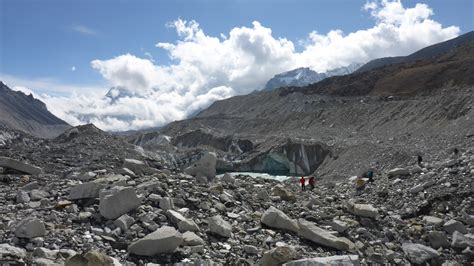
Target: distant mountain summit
point(304, 76)
point(25, 113)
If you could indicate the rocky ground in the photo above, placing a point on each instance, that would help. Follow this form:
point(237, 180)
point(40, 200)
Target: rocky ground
point(102, 201)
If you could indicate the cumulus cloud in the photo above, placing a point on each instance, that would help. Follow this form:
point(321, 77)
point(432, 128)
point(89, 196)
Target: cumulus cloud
point(84, 30)
point(207, 68)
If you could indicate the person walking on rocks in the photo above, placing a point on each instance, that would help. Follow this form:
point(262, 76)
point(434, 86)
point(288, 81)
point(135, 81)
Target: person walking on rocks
point(420, 160)
point(370, 175)
point(302, 182)
point(311, 182)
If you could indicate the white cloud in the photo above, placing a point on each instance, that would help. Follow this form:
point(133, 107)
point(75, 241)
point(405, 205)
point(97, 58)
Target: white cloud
point(206, 68)
point(84, 30)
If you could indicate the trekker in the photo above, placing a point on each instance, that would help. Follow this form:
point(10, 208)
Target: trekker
point(302, 182)
point(420, 160)
point(370, 175)
point(311, 182)
point(360, 184)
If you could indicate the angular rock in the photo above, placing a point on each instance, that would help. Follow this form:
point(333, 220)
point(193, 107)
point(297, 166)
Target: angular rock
point(188, 225)
point(219, 226)
point(275, 218)
point(136, 166)
point(38, 194)
point(164, 240)
point(175, 217)
point(398, 172)
point(418, 253)
point(117, 201)
point(227, 178)
point(124, 222)
point(166, 204)
point(22, 197)
point(438, 239)
point(249, 249)
point(453, 225)
point(191, 239)
point(30, 228)
point(89, 190)
point(8, 250)
point(323, 261)
point(432, 220)
point(462, 241)
point(91, 258)
point(19, 166)
point(263, 195)
point(278, 256)
point(204, 167)
point(311, 232)
point(283, 193)
point(45, 253)
point(364, 210)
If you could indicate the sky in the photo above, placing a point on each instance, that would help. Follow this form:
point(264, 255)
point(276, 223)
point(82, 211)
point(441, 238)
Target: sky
point(173, 58)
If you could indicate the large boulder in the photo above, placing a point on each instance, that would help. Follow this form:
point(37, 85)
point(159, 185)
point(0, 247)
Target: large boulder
point(283, 193)
point(166, 204)
point(219, 226)
point(275, 218)
point(438, 239)
point(418, 253)
point(19, 166)
point(136, 166)
point(204, 167)
point(398, 172)
point(117, 201)
point(164, 240)
point(452, 225)
point(89, 190)
point(30, 228)
point(227, 178)
point(278, 256)
point(175, 217)
point(310, 231)
point(187, 225)
point(323, 261)
point(91, 258)
point(191, 239)
point(364, 210)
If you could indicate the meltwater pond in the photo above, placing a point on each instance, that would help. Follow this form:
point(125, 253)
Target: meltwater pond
point(260, 175)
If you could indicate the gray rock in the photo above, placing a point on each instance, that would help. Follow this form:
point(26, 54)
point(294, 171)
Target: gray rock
point(91, 258)
point(418, 253)
point(30, 228)
point(188, 225)
point(275, 218)
point(45, 253)
point(462, 241)
point(164, 240)
point(438, 239)
point(398, 172)
point(278, 256)
point(322, 237)
point(262, 195)
point(30, 186)
point(219, 226)
point(339, 225)
point(364, 210)
point(22, 197)
point(124, 222)
point(166, 204)
point(453, 225)
point(136, 166)
point(227, 178)
point(450, 163)
point(175, 217)
point(89, 190)
point(191, 239)
point(283, 193)
point(19, 166)
point(43, 262)
point(38, 194)
point(8, 250)
point(117, 201)
point(322, 261)
point(204, 167)
point(432, 220)
point(249, 249)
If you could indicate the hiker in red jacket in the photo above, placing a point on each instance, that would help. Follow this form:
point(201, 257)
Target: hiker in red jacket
point(311, 182)
point(302, 181)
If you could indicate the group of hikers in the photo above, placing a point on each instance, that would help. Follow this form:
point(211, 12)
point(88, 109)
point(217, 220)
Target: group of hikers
point(311, 182)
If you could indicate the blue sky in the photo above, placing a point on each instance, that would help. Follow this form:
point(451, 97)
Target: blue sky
point(176, 57)
point(45, 39)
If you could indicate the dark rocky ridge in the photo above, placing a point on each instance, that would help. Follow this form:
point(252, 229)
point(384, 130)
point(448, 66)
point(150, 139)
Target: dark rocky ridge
point(30, 115)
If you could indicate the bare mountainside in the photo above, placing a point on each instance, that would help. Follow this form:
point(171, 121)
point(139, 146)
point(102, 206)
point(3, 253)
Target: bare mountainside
point(394, 113)
point(30, 115)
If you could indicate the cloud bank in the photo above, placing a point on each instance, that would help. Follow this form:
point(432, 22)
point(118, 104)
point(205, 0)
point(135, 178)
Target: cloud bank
point(209, 68)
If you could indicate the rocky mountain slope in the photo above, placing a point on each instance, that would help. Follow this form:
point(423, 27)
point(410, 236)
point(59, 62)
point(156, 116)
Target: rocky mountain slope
point(423, 54)
point(304, 76)
point(343, 125)
point(96, 199)
point(25, 113)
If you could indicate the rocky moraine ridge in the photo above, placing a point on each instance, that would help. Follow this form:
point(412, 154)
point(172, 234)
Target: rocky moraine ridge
point(90, 198)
